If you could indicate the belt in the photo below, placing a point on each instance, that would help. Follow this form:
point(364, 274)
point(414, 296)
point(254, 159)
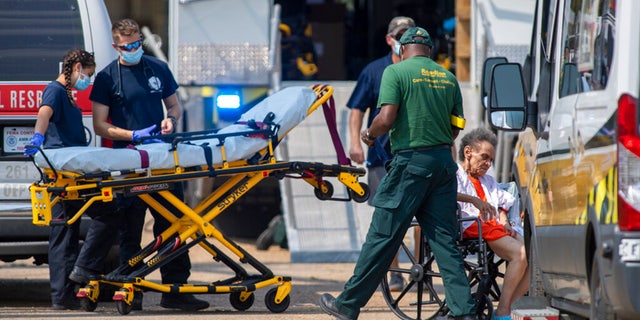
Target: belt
point(436, 147)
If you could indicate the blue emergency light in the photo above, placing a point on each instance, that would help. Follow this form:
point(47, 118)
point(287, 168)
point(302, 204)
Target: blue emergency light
point(228, 99)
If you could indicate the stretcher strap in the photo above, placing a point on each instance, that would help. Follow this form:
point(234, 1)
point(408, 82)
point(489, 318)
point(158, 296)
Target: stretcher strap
point(144, 156)
point(208, 155)
point(329, 110)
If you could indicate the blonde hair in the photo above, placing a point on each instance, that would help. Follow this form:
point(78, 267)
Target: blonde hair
point(124, 27)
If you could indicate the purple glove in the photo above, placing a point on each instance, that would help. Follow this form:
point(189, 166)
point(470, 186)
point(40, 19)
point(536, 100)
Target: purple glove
point(36, 141)
point(148, 141)
point(142, 133)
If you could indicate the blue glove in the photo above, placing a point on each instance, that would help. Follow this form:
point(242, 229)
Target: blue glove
point(139, 134)
point(36, 141)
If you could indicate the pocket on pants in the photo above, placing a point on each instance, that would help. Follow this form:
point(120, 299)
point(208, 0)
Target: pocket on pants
point(382, 221)
point(388, 196)
point(419, 172)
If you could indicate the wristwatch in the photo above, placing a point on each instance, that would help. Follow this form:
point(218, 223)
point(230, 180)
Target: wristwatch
point(174, 122)
point(367, 136)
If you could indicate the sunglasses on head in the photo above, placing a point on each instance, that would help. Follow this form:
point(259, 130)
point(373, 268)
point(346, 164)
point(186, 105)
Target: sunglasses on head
point(130, 46)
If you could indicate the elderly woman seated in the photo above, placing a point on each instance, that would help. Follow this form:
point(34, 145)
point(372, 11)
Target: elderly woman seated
point(480, 194)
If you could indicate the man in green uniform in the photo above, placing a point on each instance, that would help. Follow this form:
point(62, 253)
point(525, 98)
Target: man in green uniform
point(421, 107)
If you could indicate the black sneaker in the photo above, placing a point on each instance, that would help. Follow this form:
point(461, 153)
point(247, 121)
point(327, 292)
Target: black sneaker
point(186, 302)
point(81, 275)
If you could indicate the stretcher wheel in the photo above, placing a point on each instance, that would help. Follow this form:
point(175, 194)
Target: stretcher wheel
point(238, 304)
point(87, 305)
point(360, 198)
point(272, 305)
point(123, 307)
point(324, 196)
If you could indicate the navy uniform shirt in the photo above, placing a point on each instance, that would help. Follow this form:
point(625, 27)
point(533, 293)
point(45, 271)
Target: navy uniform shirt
point(365, 96)
point(65, 126)
point(134, 93)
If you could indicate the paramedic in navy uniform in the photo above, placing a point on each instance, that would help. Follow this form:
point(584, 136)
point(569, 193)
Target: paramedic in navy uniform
point(130, 92)
point(59, 125)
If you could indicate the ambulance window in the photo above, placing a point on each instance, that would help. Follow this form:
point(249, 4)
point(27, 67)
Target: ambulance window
point(587, 39)
point(35, 35)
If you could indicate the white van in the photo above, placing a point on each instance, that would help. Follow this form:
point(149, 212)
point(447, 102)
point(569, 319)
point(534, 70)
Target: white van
point(578, 160)
point(35, 35)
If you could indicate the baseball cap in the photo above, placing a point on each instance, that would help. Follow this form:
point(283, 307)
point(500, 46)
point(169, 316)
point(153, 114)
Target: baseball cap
point(398, 23)
point(411, 34)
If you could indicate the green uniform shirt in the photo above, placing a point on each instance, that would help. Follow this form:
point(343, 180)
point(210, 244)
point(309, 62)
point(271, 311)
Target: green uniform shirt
point(427, 96)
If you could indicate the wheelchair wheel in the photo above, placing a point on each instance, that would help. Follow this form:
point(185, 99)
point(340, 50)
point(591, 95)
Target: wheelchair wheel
point(484, 306)
point(422, 293)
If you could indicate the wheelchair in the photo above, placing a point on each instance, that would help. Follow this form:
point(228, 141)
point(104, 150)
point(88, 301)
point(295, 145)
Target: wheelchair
point(422, 296)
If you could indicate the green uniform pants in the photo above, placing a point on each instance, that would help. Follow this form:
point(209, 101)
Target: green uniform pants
point(423, 184)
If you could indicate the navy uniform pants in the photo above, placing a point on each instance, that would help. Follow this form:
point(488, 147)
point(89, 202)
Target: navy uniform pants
point(101, 235)
point(421, 184)
point(134, 209)
point(63, 252)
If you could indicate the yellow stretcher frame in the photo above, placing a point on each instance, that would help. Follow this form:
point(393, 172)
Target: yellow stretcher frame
point(194, 226)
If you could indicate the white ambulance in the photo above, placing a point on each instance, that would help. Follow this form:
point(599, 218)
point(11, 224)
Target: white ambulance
point(35, 35)
point(578, 160)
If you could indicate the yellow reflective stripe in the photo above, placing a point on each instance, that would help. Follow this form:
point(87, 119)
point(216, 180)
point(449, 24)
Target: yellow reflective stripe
point(614, 195)
point(607, 214)
point(458, 122)
point(601, 193)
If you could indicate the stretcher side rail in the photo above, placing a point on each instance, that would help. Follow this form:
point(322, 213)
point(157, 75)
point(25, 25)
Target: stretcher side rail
point(103, 189)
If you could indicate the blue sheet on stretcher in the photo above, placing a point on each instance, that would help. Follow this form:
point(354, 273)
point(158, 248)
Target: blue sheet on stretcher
point(289, 105)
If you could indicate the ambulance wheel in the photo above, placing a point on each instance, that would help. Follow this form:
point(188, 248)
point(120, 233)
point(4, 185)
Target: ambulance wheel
point(87, 305)
point(236, 303)
point(360, 198)
point(324, 196)
point(273, 305)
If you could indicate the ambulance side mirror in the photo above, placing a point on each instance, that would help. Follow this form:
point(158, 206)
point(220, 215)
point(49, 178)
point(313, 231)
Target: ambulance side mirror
point(507, 100)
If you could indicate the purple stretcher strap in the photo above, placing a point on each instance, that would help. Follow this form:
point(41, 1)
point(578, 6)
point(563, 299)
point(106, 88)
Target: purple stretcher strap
point(329, 110)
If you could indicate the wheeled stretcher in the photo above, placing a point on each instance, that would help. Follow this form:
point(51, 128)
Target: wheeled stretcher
point(244, 152)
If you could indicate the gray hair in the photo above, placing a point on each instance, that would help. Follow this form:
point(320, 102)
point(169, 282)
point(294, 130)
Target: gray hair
point(476, 136)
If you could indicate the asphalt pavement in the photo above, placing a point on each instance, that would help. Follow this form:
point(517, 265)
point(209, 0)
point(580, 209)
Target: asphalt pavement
point(24, 291)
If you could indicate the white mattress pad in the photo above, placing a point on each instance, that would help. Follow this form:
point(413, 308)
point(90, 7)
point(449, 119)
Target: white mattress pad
point(289, 105)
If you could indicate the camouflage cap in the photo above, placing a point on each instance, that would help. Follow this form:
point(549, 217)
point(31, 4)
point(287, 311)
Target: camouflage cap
point(399, 23)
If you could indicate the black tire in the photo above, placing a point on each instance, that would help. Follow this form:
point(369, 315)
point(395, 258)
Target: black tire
point(272, 305)
point(484, 306)
point(601, 308)
point(324, 195)
point(87, 305)
point(123, 307)
point(536, 288)
point(361, 198)
point(419, 298)
point(236, 303)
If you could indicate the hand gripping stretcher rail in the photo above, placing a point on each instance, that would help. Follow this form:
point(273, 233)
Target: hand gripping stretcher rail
point(243, 151)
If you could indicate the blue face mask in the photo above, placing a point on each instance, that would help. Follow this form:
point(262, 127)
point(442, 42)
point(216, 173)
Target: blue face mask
point(132, 57)
point(83, 81)
point(396, 47)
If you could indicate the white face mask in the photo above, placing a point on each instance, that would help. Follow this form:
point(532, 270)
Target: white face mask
point(396, 47)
